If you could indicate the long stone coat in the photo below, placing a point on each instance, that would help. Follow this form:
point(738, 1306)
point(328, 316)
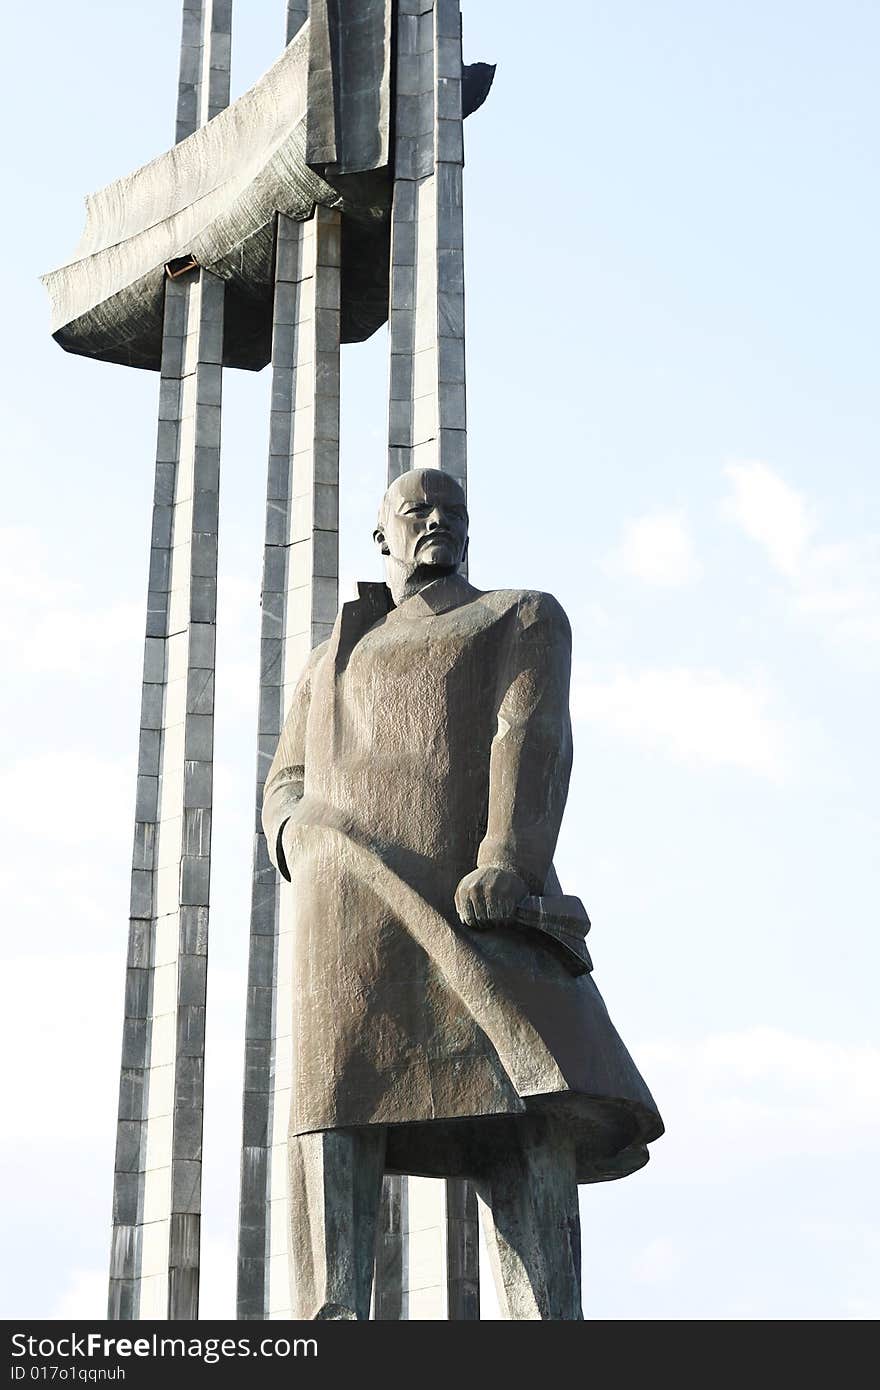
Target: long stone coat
point(423, 741)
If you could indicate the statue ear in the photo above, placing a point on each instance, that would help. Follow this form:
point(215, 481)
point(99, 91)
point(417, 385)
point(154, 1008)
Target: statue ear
point(379, 538)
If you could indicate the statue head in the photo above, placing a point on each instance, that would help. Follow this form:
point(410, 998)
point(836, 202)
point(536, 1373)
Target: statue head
point(422, 529)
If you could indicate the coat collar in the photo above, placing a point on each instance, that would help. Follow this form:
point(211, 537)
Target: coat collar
point(374, 603)
point(440, 596)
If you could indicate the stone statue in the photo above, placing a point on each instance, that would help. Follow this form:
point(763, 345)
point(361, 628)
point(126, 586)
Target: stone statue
point(414, 804)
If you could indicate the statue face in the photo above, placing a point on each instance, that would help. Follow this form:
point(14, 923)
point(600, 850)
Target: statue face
point(424, 520)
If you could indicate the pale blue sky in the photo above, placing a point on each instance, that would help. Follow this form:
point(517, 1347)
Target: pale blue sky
point(672, 222)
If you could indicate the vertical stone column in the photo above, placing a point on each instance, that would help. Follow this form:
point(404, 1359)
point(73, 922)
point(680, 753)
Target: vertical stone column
point(154, 1264)
point(300, 595)
point(435, 1272)
point(157, 1190)
point(205, 59)
point(430, 1250)
point(390, 1283)
point(427, 413)
point(297, 14)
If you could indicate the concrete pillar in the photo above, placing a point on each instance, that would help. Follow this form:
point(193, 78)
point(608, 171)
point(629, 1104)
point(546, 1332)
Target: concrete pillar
point(205, 59)
point(157, 1189)
point(154, 1266)
point(427, 410)
point(389, 1302)
point(427, 1259)
point(300, 596)
point(297, 14)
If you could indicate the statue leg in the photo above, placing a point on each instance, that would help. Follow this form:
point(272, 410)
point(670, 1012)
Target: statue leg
point(334, 1190)
point(529, 1210)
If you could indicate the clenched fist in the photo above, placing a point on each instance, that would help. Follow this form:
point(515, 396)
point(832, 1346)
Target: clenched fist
point(487, 896)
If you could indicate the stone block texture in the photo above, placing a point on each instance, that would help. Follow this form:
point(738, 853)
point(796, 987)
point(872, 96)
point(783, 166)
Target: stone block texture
point(154, 1268)
point(297, 14)
point(158, 1165)
point(299, 601)
point(427, 411)
point(205, 52)
point(427, 1258)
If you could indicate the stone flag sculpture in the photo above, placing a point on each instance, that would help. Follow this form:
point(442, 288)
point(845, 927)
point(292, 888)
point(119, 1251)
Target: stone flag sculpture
point(313, 132)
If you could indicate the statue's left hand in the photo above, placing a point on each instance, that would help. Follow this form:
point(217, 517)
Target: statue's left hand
point(489, 895)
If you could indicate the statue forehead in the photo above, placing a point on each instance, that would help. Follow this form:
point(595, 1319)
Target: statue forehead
point(423, 485)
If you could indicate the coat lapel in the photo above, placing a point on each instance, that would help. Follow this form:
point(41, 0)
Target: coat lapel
point(355, 618)
point(441, 596)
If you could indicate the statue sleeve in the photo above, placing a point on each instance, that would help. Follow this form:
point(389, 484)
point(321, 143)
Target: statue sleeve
point(530, 762)
point(285, 783)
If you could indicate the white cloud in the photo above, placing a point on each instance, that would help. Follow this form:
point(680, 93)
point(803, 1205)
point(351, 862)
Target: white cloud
point(764, 1053)
point(840, 586)
point(835, 584)
point(771, 513)
point(69, 798)
point(26, 571)
point(761, 1095)
point(49, 624)
point(658, 549)
point(73, 641)
point(697, 716)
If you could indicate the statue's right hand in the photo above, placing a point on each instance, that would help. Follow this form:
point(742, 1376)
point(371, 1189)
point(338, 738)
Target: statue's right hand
point(489, 896)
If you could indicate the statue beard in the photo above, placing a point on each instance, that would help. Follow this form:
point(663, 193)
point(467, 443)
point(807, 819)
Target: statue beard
point(407, 577)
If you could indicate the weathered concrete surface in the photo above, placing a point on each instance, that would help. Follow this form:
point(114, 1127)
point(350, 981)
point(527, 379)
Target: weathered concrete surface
point(214, 197)
point(155, 1256)
point(205, 63)
point(427, 411)
point(299, 601)
point(334, 1181)
point(314, 131)
point(427, 1259)
point(157, 1182)
point(529, 1210)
